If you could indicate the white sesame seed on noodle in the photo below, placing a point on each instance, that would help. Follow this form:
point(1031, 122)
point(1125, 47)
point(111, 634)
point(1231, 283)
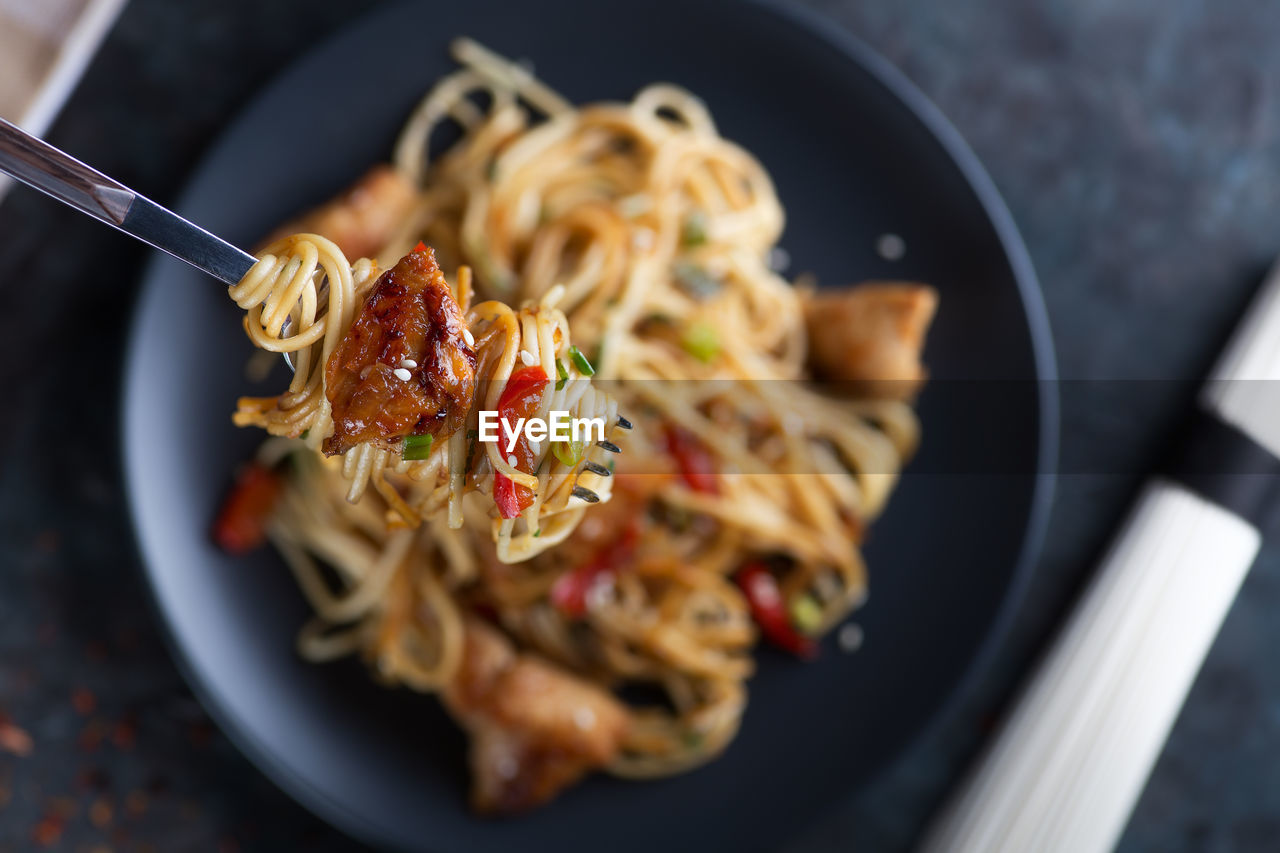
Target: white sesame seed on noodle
point(584, 718)
point(642, 239)
point(891, 247)
point(850, 637)
point(468, 337)
point(402, 374)
point(408, 363)
point(528, 358)
point(511, 460)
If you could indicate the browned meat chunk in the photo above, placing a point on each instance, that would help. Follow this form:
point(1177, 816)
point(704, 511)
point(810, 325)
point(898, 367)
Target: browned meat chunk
point(535, 728)
point(409, 322)
point(871, 335)
point(363, 217)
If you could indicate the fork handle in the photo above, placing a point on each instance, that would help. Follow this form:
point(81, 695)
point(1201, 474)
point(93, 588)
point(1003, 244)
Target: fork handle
point(1073, 757)
point(38, 164)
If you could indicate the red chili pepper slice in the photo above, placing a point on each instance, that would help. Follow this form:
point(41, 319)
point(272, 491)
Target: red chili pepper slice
point(421, 247)
point(569, 592)
point(241, 524)
point(520, 399)
point(770, 612)
point(697, 467)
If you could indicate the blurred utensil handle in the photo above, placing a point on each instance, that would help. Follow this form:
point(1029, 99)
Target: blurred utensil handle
point(38, 164)
point(1074, 755)
point(1068, 765)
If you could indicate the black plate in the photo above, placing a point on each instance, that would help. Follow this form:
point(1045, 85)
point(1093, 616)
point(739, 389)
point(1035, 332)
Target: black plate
point(856, 152)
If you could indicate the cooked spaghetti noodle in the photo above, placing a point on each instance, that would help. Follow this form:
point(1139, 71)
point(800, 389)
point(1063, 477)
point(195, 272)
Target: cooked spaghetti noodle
point(653, 235)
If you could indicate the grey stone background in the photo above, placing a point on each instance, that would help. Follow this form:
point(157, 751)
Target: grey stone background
point(1138, 145)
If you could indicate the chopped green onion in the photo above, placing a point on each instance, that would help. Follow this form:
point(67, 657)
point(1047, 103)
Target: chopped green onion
point(693, 740)
point(491, 170)
point(417, 447)
point(695, 280)
point(701, 341)
point(694, 232)
point(569, 452)
point(562, 375)
point(580, 362)
point(306, 433)
point(806, 615)
point(611, 465)
point(537, 533)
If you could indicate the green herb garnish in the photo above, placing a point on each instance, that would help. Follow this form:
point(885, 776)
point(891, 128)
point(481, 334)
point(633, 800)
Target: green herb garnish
point(580, 362)
point(701, 341)
point(695, 280)
point(805, 613)
point(562, 375)
point(417, 447)
point(569, 452)
point(694, 232)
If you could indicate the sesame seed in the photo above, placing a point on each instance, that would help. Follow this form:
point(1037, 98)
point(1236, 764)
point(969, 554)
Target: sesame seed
point(511, 460)
point(402, 374)
point(528, 358)
point(408, 363)
point(584, 718)
point(642, 239)
point(468, 337)
point(891, 247)
point(599, 594)
point(850, 637)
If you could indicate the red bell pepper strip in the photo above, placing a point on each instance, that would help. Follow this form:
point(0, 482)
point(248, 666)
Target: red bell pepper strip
point(770, 611)
point(697, 468)
point(241, 524)
point(520, 399)
point(569, 592)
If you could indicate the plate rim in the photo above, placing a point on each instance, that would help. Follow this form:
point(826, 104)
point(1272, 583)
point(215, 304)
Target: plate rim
point(902, 89)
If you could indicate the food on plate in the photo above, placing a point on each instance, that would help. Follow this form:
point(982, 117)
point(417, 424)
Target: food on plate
point(482, 573)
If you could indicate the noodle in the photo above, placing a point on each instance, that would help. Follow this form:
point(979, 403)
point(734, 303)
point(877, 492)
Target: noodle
point(638, 226)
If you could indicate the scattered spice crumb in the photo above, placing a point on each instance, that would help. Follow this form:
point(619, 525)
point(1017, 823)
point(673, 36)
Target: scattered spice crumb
point(66, 808)
point(158, 786)
point(200, 733)
point(47, 541)
point(91, 735)
point(13, 739)
point(93, 779)
point(83, 700)
point(125, 734)
point(100, 813)
point(136, 803)
point(47, 832)
point(47, 633)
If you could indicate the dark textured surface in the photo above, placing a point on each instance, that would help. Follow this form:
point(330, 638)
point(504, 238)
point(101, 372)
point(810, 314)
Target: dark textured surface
point(1136, 143)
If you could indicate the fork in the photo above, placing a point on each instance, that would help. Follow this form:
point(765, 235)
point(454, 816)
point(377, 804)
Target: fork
point(39, 165)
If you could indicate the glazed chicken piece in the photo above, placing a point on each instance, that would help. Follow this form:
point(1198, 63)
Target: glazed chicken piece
point(403, 367)
point(871, 335)
point(363, 218)
point(535, 728)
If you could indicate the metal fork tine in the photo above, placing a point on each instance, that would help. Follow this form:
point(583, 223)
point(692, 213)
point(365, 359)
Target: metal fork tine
point(623, 423)
point(597, 468)
point(586, 495)
point(609, 446)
